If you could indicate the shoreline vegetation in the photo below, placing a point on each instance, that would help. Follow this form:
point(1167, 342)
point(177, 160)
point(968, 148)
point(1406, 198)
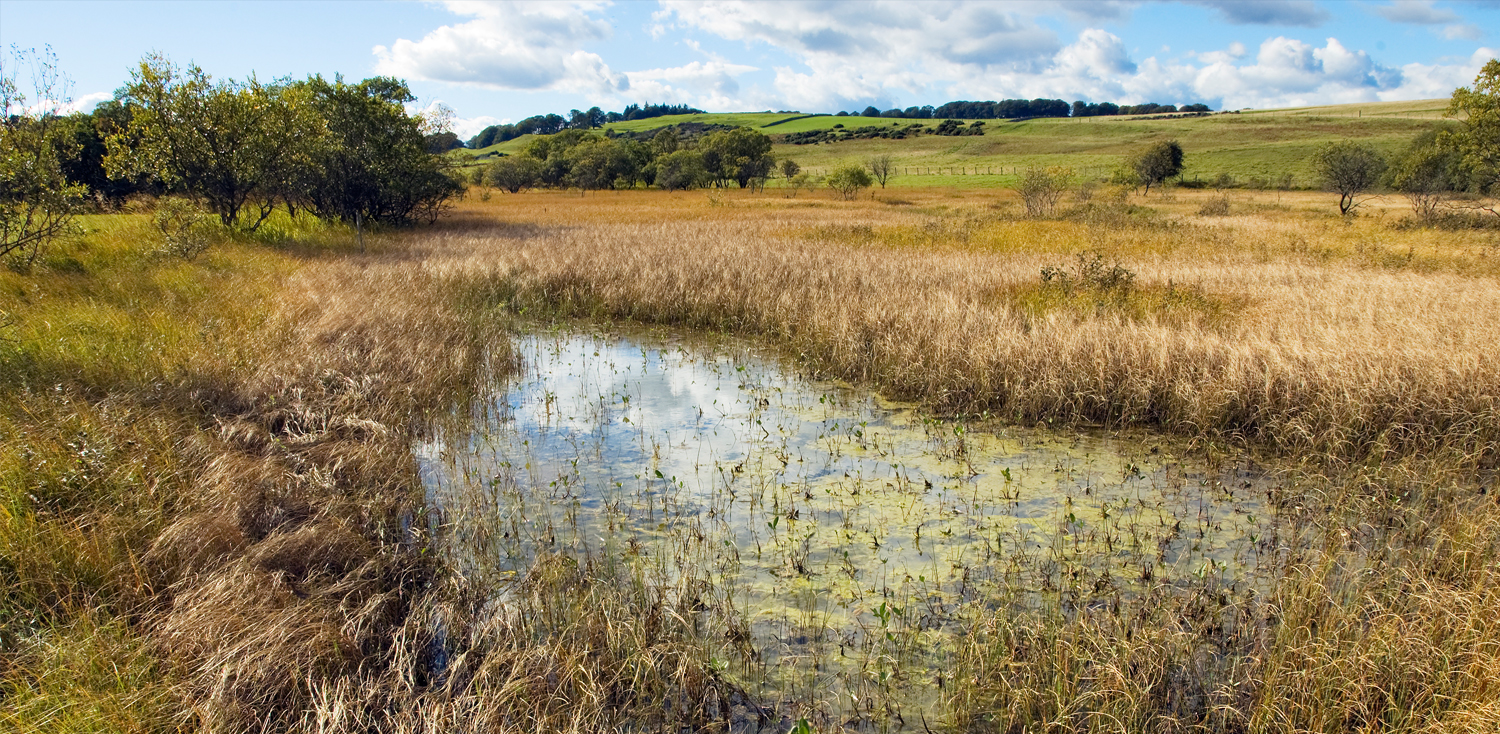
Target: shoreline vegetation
point(212, 519)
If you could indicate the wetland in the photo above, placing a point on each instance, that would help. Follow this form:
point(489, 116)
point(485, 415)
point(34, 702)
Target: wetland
point(830, 547)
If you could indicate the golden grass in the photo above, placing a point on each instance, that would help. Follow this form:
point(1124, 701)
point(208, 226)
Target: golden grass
point(1266, 335)
point(211, 517)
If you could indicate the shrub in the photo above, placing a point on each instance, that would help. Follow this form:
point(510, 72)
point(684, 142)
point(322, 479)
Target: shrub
point(1041, 188)
point(185, 227)
point(848, 179)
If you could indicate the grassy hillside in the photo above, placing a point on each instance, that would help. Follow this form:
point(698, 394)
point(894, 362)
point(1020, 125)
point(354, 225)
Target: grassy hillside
point(1254, 144)
point(1245, 146)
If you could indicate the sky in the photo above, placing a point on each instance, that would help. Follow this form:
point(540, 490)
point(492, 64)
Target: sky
point(493, 62)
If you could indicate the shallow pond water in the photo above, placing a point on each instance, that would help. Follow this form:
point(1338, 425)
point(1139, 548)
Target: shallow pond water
point(837, 539)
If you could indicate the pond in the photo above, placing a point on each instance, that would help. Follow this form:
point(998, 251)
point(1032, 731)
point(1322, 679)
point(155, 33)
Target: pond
point(840, 541)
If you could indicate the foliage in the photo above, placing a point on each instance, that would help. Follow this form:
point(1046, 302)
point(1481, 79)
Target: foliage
point(85, 164)
point(848, 179)
point(1348, 169)
point(228, 143)
point(1157, 163)
point(513, 173)
point(738, 155)
point(373, 162)
point(599, 163)
point(1478, 140)
point(185, 228)
point(789, 168)
point(1426, 173)
point(1041, 188)
point(680, 170)
point(37, 202)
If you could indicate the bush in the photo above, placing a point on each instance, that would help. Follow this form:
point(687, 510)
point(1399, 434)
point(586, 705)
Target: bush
point(186, 229)
point(1218, 206)
point(1041, 188)
point(848, 179)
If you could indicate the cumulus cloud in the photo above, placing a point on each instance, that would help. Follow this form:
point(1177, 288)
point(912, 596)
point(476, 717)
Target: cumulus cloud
point(528, 46)
point(873, 51)
point(710, 84)
point(86, 103)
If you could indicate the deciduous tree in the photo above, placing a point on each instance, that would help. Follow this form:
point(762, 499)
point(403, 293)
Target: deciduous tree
point(1477, 141)
point(229, 144)
point(37, 203)
point(1349, 169)
point(881, 168)
point(1158, 163)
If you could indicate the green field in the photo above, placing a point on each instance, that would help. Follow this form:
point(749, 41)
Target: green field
point(1258, 144)
point(1246, 146)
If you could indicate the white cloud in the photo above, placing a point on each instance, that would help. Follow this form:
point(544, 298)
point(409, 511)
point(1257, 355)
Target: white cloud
point(873, 51)
point(707, 84)
point(1431, 81)
point(86, 103)
point(511, 45)
point(1465, 31)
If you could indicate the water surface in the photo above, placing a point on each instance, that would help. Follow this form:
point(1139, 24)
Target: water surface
point(837, 541)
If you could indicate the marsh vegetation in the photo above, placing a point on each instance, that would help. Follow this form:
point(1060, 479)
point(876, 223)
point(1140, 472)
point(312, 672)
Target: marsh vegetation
point(954, 460)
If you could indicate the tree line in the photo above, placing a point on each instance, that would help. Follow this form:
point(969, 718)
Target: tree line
point(675, 158)
point(1022, 108)
point(239, 149)
point(576, 120)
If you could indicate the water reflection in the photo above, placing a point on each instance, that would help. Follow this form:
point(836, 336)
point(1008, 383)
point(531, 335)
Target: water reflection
point(835, 539)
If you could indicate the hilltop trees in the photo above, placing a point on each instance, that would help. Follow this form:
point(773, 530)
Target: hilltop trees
point(1348, 169)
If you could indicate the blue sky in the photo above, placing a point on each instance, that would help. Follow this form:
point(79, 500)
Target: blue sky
point(501, 61)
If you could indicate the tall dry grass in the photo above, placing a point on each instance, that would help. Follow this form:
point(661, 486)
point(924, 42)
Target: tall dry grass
point(1300, 354)
point(212, 516)
point(213, 521)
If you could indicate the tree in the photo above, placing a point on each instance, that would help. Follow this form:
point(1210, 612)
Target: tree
point(83, 161)
point(1348, 169)
point(372, 163)
point(1426, 172)
point(881, 168)
point(227, 143)
point(789, 168)
point(739, 154)
point(1158, 163)
point(37, 203)
point(513, 173)
point(1041, 188)
point(848, 179)
point(1477, 141)
point(681, 170)
point(597, 164)
point(665, 141)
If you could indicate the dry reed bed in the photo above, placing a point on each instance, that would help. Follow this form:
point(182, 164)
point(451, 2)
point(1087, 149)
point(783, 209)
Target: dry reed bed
point(300, 590)
point(1351, 362)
